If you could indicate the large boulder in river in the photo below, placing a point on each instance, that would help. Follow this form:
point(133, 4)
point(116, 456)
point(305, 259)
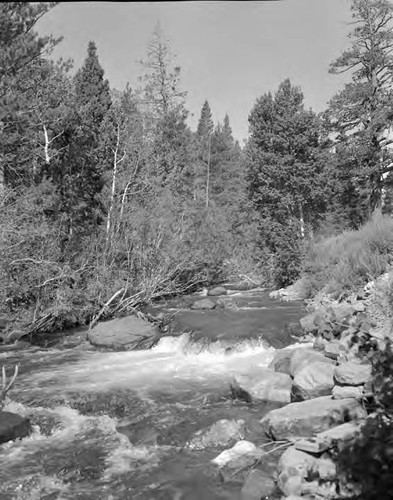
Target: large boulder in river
point(313, 381)
point(262, 385)
point(309, 417)
point(203, 304)
point(305, 357)
point(124, 334)
point(13, 426)
point(217, 290)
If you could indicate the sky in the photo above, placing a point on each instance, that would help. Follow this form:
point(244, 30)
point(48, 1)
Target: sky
point(230, 52)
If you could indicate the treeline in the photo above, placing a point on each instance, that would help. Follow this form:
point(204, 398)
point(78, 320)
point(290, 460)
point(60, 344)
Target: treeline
point(109, 199)
point(107, 196)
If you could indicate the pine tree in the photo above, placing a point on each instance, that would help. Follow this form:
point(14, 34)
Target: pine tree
point(205, 124)
point(22, 69)
point(80, 174)
point(165, 116)
point(361, 114)
point(285, 180)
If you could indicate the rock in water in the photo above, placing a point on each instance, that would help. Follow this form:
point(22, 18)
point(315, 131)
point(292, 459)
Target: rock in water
point(124, 334)
point(257, 485)
point(313, 381)
point(203, 304)
point(309, 417)
point(221, 433)
point(13, 426)
point(217, 290)
point(263, 385)
point(304, 357)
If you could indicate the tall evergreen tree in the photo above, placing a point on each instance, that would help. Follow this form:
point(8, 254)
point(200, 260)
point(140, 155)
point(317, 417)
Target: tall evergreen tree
point(22, 68)
point(285, 180)
point(205, 124)
point(80, 174)
point(165, 115)
point(361, 114)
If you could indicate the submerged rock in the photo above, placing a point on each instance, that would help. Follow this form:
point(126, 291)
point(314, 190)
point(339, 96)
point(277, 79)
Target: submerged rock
point(262, 385)
point(217, 290)
point(124, 334)
point(309, 417)
point(257, 485)
point(313, 381)
point(203, 304)
point(221, 433)
point(13, 426)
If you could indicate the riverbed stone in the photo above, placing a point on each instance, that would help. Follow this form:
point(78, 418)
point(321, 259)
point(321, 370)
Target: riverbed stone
point(13, 426)
point(281, 360)
point(295, 468)
point(221, 433)
point(203, 304)
point(304, 357)
point(347, 391)
point(262, 385)
point(217, 290)
point(352, 373)
point(313, 381)
point(124, 334)
point(309, 417)
point(257, 485)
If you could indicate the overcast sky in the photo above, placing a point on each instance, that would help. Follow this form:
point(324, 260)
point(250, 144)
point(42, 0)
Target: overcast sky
point(230, 53)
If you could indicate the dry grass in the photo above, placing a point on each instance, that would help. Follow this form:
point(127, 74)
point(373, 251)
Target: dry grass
point(347, 261)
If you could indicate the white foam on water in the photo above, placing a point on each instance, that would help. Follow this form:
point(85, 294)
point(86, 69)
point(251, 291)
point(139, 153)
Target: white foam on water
point(172, 360)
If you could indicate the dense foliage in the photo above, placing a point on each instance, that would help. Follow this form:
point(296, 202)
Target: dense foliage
point(109, 199)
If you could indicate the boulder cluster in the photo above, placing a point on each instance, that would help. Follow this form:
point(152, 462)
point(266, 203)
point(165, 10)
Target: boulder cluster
point(324, 385)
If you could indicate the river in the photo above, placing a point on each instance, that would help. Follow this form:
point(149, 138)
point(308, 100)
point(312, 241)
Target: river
point(113, 425)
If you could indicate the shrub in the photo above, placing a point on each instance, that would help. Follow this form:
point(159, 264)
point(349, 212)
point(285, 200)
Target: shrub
point(351, 259)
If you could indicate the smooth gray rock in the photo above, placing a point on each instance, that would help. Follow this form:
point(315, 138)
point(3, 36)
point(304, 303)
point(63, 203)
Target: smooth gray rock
point(221, 433)
point(217, 290)
point(257, 485)
point(351, 373)
point(262, 385)
point(282, 360)
point(304, 357)
point(313, 381)
point(312, 416)
point(13, 426)
point(295, 468)
point(347, 391)
point(203, 304)
point(124, 334)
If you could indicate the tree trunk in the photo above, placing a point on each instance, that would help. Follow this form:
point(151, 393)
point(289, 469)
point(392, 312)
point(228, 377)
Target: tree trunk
point(302, 231)
point(208, 174)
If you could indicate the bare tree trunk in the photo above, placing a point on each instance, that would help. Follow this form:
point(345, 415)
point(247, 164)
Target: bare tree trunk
point(208, 174)
point(46, 145)
point(116, 162)
point(2, 185)
point(302, 231)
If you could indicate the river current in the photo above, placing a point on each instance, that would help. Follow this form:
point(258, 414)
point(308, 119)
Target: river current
point(114, 425)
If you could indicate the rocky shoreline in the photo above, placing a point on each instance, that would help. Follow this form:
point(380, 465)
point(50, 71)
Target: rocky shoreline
point(326, 385)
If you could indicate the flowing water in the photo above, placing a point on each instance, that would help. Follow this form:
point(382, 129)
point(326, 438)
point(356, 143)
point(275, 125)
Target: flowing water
point(113, 425)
